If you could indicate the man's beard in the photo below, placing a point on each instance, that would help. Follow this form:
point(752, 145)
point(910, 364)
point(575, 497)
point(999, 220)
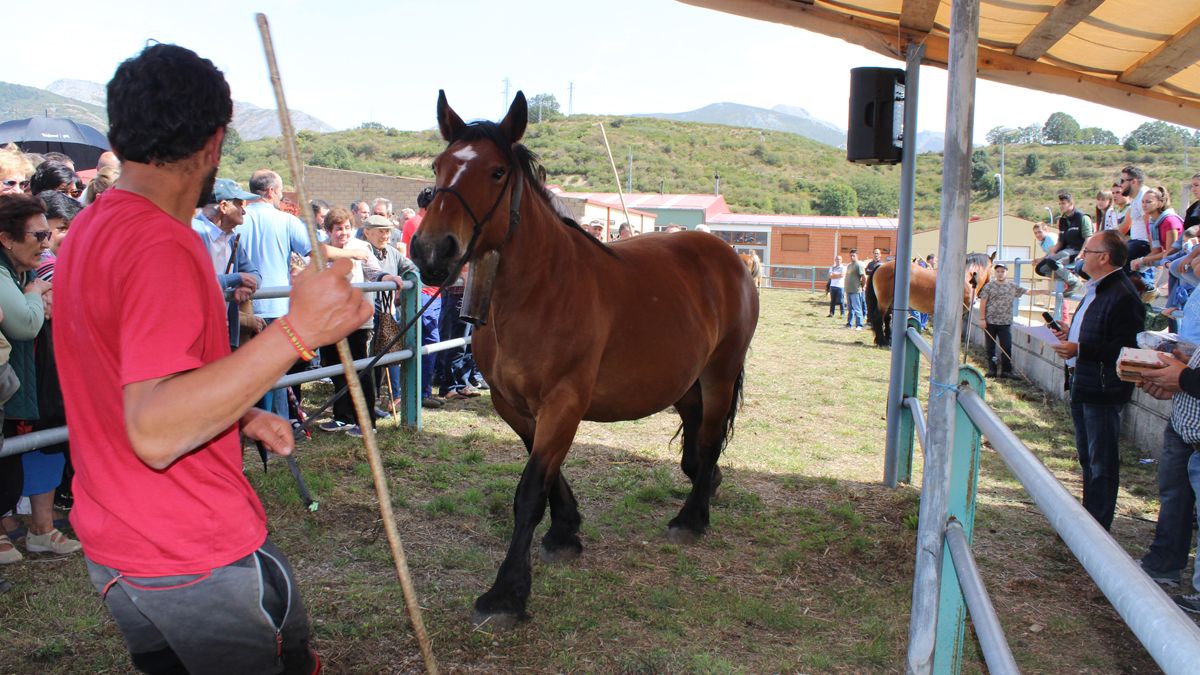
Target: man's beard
point(206, 190)
point(1127, 190)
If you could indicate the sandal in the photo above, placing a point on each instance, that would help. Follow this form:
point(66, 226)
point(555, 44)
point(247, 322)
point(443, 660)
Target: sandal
point(8, 552)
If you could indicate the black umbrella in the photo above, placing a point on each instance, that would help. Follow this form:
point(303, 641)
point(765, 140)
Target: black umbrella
point(81, 143)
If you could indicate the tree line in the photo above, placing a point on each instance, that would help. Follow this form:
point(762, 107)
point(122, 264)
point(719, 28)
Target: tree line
point(1062, 129)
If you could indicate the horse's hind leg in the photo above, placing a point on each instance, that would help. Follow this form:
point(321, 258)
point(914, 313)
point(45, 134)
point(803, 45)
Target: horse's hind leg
point(719, 393)
point(691, 413)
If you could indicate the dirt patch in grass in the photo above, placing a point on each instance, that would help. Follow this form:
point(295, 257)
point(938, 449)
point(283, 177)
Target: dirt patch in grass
point(807, 567)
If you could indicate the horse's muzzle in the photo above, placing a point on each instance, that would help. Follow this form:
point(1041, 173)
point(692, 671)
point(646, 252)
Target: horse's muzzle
point(435, 257)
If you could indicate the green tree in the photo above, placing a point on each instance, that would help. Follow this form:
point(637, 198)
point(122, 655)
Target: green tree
point(1002, 134)
point(1061, 167)
point(1029, 135)
point(1032, 164)
point(983, 174)
point(1131, 144)
point(1098, 136)
point(837, 199)
point(876, 195)
point(543, 108)
point(1061, 128)
point(1161, 134)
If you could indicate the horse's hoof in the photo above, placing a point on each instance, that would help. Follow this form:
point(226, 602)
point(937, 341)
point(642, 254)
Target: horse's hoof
point(682, 536)
point(497, 620)
point(562, 554)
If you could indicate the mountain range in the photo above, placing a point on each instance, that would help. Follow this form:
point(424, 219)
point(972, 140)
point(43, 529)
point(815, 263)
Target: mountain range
point(84, 101)
point(792, 119)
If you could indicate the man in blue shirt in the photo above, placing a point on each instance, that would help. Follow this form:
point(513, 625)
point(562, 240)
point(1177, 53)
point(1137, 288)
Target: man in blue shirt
point(215, 224)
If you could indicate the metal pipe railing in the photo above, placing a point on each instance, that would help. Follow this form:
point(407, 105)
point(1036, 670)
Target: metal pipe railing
point(914, 404)
point(996, 653)
point(1169, 636)
point(918, 340)
point(47, 437)
point(271, 292)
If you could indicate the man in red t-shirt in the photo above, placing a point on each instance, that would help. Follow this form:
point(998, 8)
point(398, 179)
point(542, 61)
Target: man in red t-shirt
point(175, 538)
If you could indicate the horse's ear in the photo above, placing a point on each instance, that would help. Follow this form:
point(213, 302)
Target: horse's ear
point(992, 257)
point(449, 123)
point(513, 124)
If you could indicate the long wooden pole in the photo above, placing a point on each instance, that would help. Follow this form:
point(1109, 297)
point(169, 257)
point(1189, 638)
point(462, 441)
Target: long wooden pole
point(352, 381)
point(616, 177)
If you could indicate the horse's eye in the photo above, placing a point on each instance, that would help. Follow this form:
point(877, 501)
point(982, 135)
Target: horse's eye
point(498, 174)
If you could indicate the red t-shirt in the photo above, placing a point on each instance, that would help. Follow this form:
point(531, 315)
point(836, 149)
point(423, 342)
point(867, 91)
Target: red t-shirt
point(135, 299)
point(410, 228)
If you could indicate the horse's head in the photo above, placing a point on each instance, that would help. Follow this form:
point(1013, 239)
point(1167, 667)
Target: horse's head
point(477, 188)
point(979, 271)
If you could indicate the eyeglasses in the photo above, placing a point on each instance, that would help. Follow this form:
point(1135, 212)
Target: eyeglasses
point(40, 235)
point(69, 190)
point(1126, 180)
point(1092, 250)
point(12, 183)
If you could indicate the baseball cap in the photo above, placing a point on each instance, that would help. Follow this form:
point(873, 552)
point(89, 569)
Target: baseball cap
point(376, 221)
point(225, 189)
point(1000, 266)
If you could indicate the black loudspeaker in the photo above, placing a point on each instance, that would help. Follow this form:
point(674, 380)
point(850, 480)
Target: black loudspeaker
point(876, 129)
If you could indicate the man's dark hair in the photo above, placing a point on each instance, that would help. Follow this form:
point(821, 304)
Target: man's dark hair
point(59, 206)
point(57, 157)
point(1135, 172)
point(854, 251)
point(1066, 196)
point(50, 176)
point(1118, 252)
point(15, 211)
point(263, 180)
point(165, 104)
point(318, 205)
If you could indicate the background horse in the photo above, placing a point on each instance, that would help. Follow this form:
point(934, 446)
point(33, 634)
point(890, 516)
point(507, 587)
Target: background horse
point(753, 266)
point(922, 288)
point(578, 330)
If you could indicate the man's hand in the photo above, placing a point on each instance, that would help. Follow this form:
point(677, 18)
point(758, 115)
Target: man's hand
point(249, 281)
point(37, 286)
point(1066, 350)
point(272, 430)
point(47, 304)
point(242, 294)
point(325, 307)
point(1164, 380)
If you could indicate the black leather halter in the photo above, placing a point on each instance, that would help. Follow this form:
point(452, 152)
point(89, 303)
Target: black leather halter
point(514, 215)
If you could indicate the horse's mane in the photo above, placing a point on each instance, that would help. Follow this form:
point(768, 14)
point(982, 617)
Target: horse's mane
point(978, 260)
point(525, 159)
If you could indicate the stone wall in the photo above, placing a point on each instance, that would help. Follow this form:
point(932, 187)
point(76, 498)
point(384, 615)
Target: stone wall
point(340, 187)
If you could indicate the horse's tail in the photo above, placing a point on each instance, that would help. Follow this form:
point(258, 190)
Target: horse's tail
point(874, 316)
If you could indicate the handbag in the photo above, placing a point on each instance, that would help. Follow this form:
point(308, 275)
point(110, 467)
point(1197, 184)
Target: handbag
point(386, 327)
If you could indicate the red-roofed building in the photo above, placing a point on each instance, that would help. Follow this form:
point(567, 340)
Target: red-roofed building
point(686, 210)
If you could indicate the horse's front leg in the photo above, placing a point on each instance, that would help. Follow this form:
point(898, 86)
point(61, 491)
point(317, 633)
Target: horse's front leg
point(504, 604)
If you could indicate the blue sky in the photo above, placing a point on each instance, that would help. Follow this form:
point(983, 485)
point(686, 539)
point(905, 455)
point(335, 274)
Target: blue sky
point(350, 62)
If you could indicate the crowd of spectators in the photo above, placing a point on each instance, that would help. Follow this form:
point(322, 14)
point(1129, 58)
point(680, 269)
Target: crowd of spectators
point(254, 239)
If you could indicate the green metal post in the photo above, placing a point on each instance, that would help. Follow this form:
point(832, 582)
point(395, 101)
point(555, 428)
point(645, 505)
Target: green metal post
point(908, 387)
point(964, 477)
point(410, 369)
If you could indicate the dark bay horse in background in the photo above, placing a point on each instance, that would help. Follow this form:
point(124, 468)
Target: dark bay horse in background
point(922, 288)
point(579, 330)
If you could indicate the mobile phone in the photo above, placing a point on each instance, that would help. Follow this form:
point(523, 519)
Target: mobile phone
point(1049, 318)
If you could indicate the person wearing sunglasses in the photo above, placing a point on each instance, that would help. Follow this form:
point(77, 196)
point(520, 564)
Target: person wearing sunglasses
point(24, 299)
point(14, 171)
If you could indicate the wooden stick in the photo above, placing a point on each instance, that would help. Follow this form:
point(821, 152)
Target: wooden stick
point(616, 176)
point(352, 381)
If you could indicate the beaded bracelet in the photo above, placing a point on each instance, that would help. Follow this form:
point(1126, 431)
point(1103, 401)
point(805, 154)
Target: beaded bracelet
point(305, 353)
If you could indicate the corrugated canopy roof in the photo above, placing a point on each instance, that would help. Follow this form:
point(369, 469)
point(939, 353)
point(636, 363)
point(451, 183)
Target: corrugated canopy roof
point(1137, 55)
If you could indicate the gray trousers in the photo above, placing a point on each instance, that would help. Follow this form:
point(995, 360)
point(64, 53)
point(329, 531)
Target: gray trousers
point(245, 617)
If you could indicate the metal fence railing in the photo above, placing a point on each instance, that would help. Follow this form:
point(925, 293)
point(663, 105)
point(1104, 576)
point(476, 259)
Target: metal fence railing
point(1170, 637)
point(410, 375)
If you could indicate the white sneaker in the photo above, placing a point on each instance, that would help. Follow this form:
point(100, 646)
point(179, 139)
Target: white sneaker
point(9, 554)
point(51, 542)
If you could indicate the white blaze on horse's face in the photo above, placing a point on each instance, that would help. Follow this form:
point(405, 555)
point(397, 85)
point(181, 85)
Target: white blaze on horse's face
point(464, 155)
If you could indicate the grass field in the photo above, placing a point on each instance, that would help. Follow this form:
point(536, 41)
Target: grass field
point(807, 566)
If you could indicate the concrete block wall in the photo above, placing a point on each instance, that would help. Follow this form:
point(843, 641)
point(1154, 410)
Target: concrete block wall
point(340, 187)
point(1143, 419)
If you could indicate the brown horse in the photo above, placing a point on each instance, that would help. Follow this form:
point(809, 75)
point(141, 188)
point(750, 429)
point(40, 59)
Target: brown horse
point(922, 288)
point(579, 330)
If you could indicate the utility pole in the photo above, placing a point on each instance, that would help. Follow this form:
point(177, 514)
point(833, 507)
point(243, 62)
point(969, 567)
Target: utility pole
point(570, 99)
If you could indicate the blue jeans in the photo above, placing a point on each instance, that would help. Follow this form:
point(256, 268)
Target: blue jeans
point(1193, 471)
point(1173, 533)
point(858, 309)
point(1097, 429)
point(429, 335)
point(836, 301)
